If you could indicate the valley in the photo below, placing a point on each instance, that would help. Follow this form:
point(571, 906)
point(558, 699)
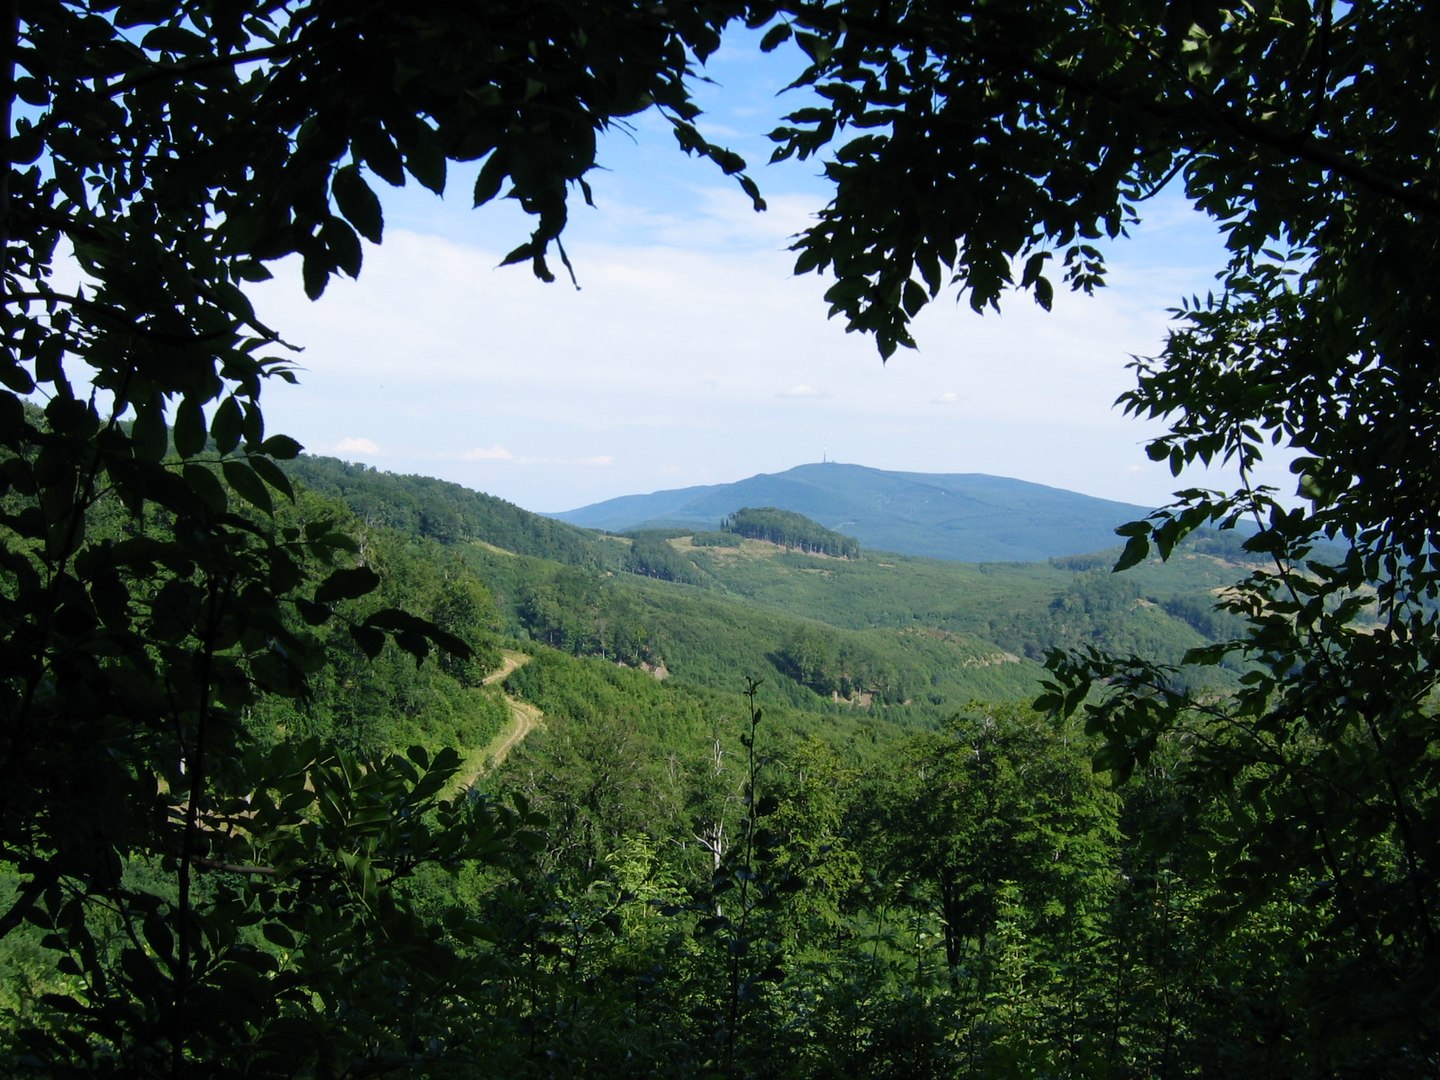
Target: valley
point(309, 769)
point(917, 636)
point(734, 792)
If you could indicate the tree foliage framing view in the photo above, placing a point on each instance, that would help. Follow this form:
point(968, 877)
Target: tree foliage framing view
point(160, 154)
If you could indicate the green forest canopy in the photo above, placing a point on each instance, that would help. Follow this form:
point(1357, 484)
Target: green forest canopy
point(154, 592)
point(789, 529)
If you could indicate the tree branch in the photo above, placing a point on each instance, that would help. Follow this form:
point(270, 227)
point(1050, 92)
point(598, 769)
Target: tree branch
point(173, 72)
point(1202, 117)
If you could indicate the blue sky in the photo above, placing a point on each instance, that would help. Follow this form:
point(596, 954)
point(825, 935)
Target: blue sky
point(690, 355)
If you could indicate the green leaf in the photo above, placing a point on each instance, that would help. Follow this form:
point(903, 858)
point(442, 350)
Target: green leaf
point(814, 46)
point(15, 378)
point(369, 640)
point(245, 483)
point(370, 143)
point(1044, 293)
point(189, 428)
point(174, 39)
point(148, 431)
point(369, 816)
point(775, 37)
point(753, 190)
point(358, 203)
point(347, 585)
point(314, 614)
point(315, 270)
point(1136, 549)
point(281, 447)
point(249, 270)
point(1033, 266)
point(343, 246)
point(32, 92)
point(424, 157)
point(296, 801)
point(158, 935)
point(492, 175)
point(1206, 656)
point(207, 487)
point(174, 610)
point(227, 425)
point(272, 475)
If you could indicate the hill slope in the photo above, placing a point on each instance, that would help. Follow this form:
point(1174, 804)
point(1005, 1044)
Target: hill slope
point(441, 511)
point(908, 639)
point(963, 517)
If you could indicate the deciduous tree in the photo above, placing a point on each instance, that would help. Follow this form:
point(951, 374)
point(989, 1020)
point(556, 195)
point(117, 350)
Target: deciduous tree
point(161, 154)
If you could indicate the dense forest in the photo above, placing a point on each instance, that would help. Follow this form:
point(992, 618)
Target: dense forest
point(790, 530)
point(853, 870)
point(308, 770)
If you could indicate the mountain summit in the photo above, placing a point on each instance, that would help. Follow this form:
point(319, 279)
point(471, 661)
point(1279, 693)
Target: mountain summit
point(964, 517)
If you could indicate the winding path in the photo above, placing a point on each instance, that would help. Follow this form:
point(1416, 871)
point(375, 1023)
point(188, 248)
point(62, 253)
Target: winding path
point(524, 718)
point(509, 661)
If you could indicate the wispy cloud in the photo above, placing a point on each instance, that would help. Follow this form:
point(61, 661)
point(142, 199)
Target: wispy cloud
point(949, 397)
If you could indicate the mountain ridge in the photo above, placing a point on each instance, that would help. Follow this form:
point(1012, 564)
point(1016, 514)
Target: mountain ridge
point(960, 517)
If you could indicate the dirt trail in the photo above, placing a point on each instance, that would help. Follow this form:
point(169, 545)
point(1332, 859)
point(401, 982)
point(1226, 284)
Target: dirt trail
point(509, 661)
point(524, 718)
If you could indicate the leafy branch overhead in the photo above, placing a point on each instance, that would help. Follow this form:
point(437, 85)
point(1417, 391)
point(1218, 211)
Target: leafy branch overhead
point(161, 576)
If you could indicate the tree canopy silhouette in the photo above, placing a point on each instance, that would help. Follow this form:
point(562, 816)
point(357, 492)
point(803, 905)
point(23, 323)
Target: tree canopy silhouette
point(160, 154)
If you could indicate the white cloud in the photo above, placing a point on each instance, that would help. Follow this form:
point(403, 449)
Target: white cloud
point(682, 356)
point(352, 445)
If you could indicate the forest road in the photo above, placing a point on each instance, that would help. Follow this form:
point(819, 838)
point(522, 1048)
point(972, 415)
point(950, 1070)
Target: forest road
point(509, 661)
point(524, 718)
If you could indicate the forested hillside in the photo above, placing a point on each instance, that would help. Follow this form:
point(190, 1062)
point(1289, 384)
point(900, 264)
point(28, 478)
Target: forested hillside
point(789, 530)
point(858, 835)
point(441, 511)
point(914, 637)
point(950, 869)
point(717, 809)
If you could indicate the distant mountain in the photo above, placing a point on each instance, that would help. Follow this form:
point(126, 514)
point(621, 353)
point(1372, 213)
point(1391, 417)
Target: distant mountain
point(964, 517)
